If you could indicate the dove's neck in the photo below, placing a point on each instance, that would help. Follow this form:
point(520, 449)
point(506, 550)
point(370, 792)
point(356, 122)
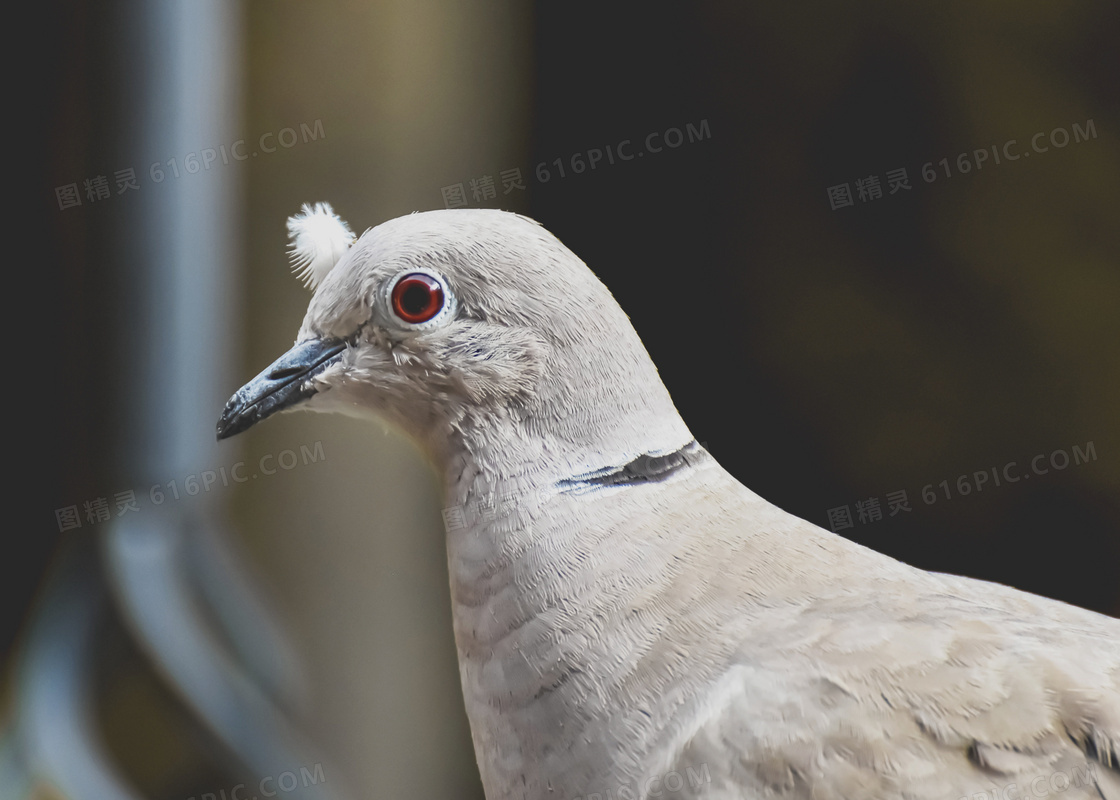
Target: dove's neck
point(604, 412)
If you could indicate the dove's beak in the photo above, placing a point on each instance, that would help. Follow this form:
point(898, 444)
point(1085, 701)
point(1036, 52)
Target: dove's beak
point(282, 385)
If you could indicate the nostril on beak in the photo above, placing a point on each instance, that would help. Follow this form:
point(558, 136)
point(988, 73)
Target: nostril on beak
point(285, 372)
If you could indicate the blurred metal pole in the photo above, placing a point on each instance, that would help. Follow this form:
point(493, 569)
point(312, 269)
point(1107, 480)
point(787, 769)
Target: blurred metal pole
point(181, 349)
point(182, 241)
point(56, 738)
point(174, 581)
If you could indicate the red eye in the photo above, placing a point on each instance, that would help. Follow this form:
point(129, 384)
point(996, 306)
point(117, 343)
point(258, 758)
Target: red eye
point(417, 297)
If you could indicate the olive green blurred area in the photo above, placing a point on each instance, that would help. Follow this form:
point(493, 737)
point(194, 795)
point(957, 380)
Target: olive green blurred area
point(828, 357)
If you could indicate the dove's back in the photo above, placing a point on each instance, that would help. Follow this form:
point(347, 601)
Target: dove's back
point(683, 636)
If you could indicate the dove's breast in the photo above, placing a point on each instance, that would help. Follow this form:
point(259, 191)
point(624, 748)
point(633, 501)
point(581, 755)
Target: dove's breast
point(688, 638)
point(590, 625)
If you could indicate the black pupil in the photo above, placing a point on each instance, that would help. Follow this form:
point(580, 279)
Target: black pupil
point(415, 298)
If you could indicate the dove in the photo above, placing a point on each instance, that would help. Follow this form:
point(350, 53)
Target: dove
point(630, 620)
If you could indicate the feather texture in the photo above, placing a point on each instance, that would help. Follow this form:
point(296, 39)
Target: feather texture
point(319, 239)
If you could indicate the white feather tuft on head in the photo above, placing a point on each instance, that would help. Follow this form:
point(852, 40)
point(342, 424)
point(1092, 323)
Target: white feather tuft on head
point(319, 239)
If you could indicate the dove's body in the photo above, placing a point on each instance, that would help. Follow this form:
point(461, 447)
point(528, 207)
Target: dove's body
point(689, 626)
point(660, 630)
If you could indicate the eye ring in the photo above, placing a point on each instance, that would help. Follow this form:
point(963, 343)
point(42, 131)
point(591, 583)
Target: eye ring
point(417, 297)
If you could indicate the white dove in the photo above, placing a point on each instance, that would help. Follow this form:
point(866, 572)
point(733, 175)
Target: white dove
point(633, 622)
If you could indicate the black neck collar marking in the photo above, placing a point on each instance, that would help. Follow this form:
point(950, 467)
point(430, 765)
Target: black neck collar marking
point(643, 469)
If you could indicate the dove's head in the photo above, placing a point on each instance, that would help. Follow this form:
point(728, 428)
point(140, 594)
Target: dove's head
point(477, 332)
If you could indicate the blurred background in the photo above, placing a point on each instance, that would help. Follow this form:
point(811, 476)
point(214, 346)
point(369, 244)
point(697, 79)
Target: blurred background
point(873, 248)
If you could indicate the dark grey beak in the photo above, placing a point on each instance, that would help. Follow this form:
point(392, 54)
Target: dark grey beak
point(282, 385)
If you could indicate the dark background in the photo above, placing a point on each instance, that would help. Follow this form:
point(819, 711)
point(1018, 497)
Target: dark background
point(823, 356)
point(829, 356)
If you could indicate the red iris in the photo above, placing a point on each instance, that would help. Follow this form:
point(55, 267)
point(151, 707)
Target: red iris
point(417, 297)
